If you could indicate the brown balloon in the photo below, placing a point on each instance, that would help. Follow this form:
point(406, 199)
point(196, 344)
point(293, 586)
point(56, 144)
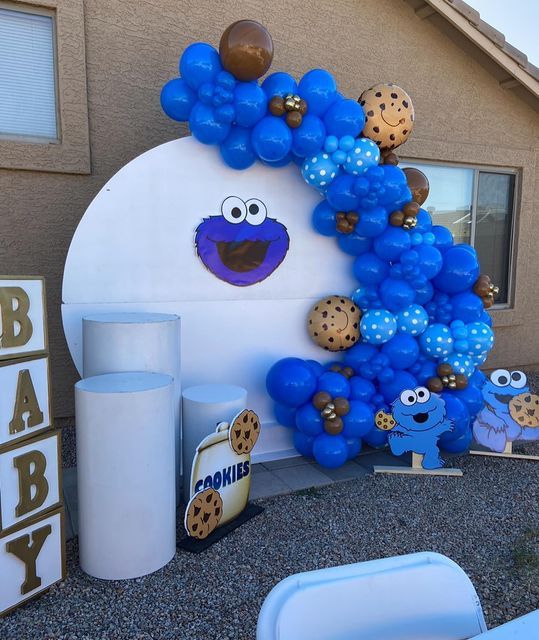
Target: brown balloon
point(418, 184)
point(321, 399)
point(246, 50)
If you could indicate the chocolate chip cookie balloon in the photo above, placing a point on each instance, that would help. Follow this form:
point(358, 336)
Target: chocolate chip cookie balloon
point(389, 115)
point(333, 323)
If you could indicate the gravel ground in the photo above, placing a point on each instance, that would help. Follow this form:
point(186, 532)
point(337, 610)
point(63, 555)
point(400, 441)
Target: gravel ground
point(487, 521)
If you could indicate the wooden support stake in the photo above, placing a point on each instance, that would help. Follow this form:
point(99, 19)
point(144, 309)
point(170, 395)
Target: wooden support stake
point(417, 469)
point(506, 453)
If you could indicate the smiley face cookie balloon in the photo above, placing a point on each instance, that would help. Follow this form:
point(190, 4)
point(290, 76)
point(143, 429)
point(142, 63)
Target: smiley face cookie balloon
point(389, 115)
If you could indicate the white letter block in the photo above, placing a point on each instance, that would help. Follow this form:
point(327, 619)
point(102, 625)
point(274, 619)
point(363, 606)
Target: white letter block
point(20, 579)
point(29, 480)
point(13, 383)
point(23, 327)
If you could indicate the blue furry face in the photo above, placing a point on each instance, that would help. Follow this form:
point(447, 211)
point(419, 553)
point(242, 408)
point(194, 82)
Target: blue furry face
point(418, 409)
point(501, 387)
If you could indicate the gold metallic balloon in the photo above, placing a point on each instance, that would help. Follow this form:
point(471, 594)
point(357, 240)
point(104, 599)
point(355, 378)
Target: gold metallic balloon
point(389, 114)
point(246, 50)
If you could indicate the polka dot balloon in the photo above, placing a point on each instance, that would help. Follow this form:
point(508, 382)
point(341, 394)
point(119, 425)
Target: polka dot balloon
point(436, 341)
point(412, 320)
point(378, 326)
point(461, 363)
point(365, 154)
point(480, 338)
point(319, 171)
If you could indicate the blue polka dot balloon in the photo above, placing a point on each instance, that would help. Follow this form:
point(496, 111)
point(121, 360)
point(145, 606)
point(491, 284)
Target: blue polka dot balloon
point(412, 320)
point(319, 171)
point(461, 363)
point(480, 338)
point(378, 326)
point(436, 341)
point(363, 155)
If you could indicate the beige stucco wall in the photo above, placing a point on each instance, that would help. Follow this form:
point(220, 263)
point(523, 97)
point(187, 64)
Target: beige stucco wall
point(132, 48)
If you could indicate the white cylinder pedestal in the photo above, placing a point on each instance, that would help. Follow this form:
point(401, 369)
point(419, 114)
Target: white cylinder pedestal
point(126, 474)
point(203, 407)
point(116, 342)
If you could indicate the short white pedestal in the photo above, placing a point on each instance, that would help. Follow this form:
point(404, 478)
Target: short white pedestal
point(203, 407)
point(116, 342)
point(126, 480)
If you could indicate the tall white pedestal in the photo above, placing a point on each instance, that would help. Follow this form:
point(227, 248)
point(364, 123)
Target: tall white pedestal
point(116, 342)
point(203, 407)
point(126, 474)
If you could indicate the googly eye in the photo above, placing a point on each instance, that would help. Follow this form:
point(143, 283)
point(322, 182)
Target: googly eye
point(234, 210)
point(518, 379)
point(256, 212)
point(408, 397)
point(500, 377)
point(423, 394)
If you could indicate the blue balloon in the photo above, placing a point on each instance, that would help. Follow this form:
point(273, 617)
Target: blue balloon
point(412, 320)
point(319, 89)
point(394, 181)
point(177, 99)
point(199, 63)
point(485, 318)
point(460, 445)
point(249, 103)
point(424, 221)
point(236, 149)
point(480, 338)
point(443, 238)
point(369, 269)
point(354, 447)
point(424, 293)
point(271, 139)
point(304, 444)
point(391, 243)
point(372, 222)
point(291, 382)
point(330, 451)
point(324, 219)
point(437, 341)
point(309, 421)
point(309, 137)
point(279, 84)
point(459, 272)
point(457, 411)
point(359, 354)
point(478, 379)
point(401, 380)
point(378, 326)
point(353, 243)
point(472, 398)
point(319, 171)
point(425, 371)
point(376, 438)
point(363, 155)
point(402, 351)
point(335, 384)
point(341, 195)
point(396, 294)
point(344, 118)
point(285, 415)
point(205, 127)
point(359, 420)
point(461, 363)
point(316, 367)
point(361, 389)
point(467, 307)
point(430, 260)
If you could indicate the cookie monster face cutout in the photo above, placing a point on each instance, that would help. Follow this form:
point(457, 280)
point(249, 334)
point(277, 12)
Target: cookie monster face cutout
point(502, 387)
point(418, 410)
point(242, 246)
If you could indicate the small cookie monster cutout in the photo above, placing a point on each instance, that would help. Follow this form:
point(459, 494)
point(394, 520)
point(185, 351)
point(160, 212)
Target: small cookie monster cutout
point(421, 419)
point(510, 410)
point(242, 246)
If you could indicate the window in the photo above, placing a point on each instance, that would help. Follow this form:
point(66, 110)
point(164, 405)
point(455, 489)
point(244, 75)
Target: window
point(27, 75)
point(477, 205)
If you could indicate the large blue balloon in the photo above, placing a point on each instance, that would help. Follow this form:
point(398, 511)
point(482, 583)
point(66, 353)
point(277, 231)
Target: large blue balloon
point(424, 221)
point(424, 293)
point(309, 137)
point(394, 180)
point(391, 243)
point(199, 63)
point(303, 444)
point(354, 447)
point(324, 220)
point(309, 421)
point(271, 139)
point(467, 307)
point(401, 380)
point(291, 382)
point(402, 351)
point(335, 384)
point(359, 420)
point(319, 89)
point(478, 379)
point(316, 367)
point(353, 243)
point(361, 389)
point(177, 99)
point(330, 451)
point(472, 398)
point(372, 222)
point(285, 415)
point(430, 260)
point(369, 269)
point(359, 354)
point(460, 445)
point(457, 411)
point(249, 103)
point(279, 84)
point(341, 195)
point(443, 238)
point(237, 150)
point(344, 118)
point(205, 127)
point(396, 294)
point(376, 438)
point(459, 272)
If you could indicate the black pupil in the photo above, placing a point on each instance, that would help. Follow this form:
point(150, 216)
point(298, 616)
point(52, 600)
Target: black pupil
point(516, 376)
point(503, 380)
point(236, 212)
point(410, 398)
point(253, 208)
point(421, 394)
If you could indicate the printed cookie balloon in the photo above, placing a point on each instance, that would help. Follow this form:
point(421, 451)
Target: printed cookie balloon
point(389, 115)
point(333, 323)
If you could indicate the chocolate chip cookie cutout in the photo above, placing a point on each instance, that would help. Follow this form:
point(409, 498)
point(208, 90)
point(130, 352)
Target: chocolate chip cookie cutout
point(203, 513)
point(244, 432)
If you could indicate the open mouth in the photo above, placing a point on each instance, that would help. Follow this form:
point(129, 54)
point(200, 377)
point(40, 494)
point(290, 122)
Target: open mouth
point(243, 256)
point(420, 418)
point(504, 398)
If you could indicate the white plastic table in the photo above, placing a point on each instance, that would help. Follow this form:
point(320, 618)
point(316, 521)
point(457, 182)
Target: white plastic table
point(524, 628)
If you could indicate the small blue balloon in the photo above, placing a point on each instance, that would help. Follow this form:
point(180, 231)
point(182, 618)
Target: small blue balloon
point(480, 338)
point(391, 243)
point(335, 384)
point(249, 104)
point(372, 222)
point(461, 363)
point(443, 238)
point(330, 451)
point(402, 351)
point(424, 221)
point(341, 195)
point(199, 63)
point(478, 379)
point(236, 149)
point(359, 354)
point(378, 326)
point(316, 367)
point(437, 341)
point(430, 260)
point(359, 420)
point(459, 272)
point(324, 219)
point(291, 382)
point(361, 389)
point(369, 269)
point(425, 371)
point(401, 380)
point(319, 171)
point(279, 84)
point(364, 154)
point(319, 89)
point(412, 320)
point(304, 444)
point(205, 127)
point(394, 185)
point(309, 137)
point(285, 415)
point(396, 294)
point(177, 99)
point(344, 118)
point(353, 244)
point(424, 293)
point(271, 139)
point(309, 421)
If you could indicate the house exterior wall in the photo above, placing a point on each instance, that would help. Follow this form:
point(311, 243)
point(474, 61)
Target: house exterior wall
point(132, 48)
